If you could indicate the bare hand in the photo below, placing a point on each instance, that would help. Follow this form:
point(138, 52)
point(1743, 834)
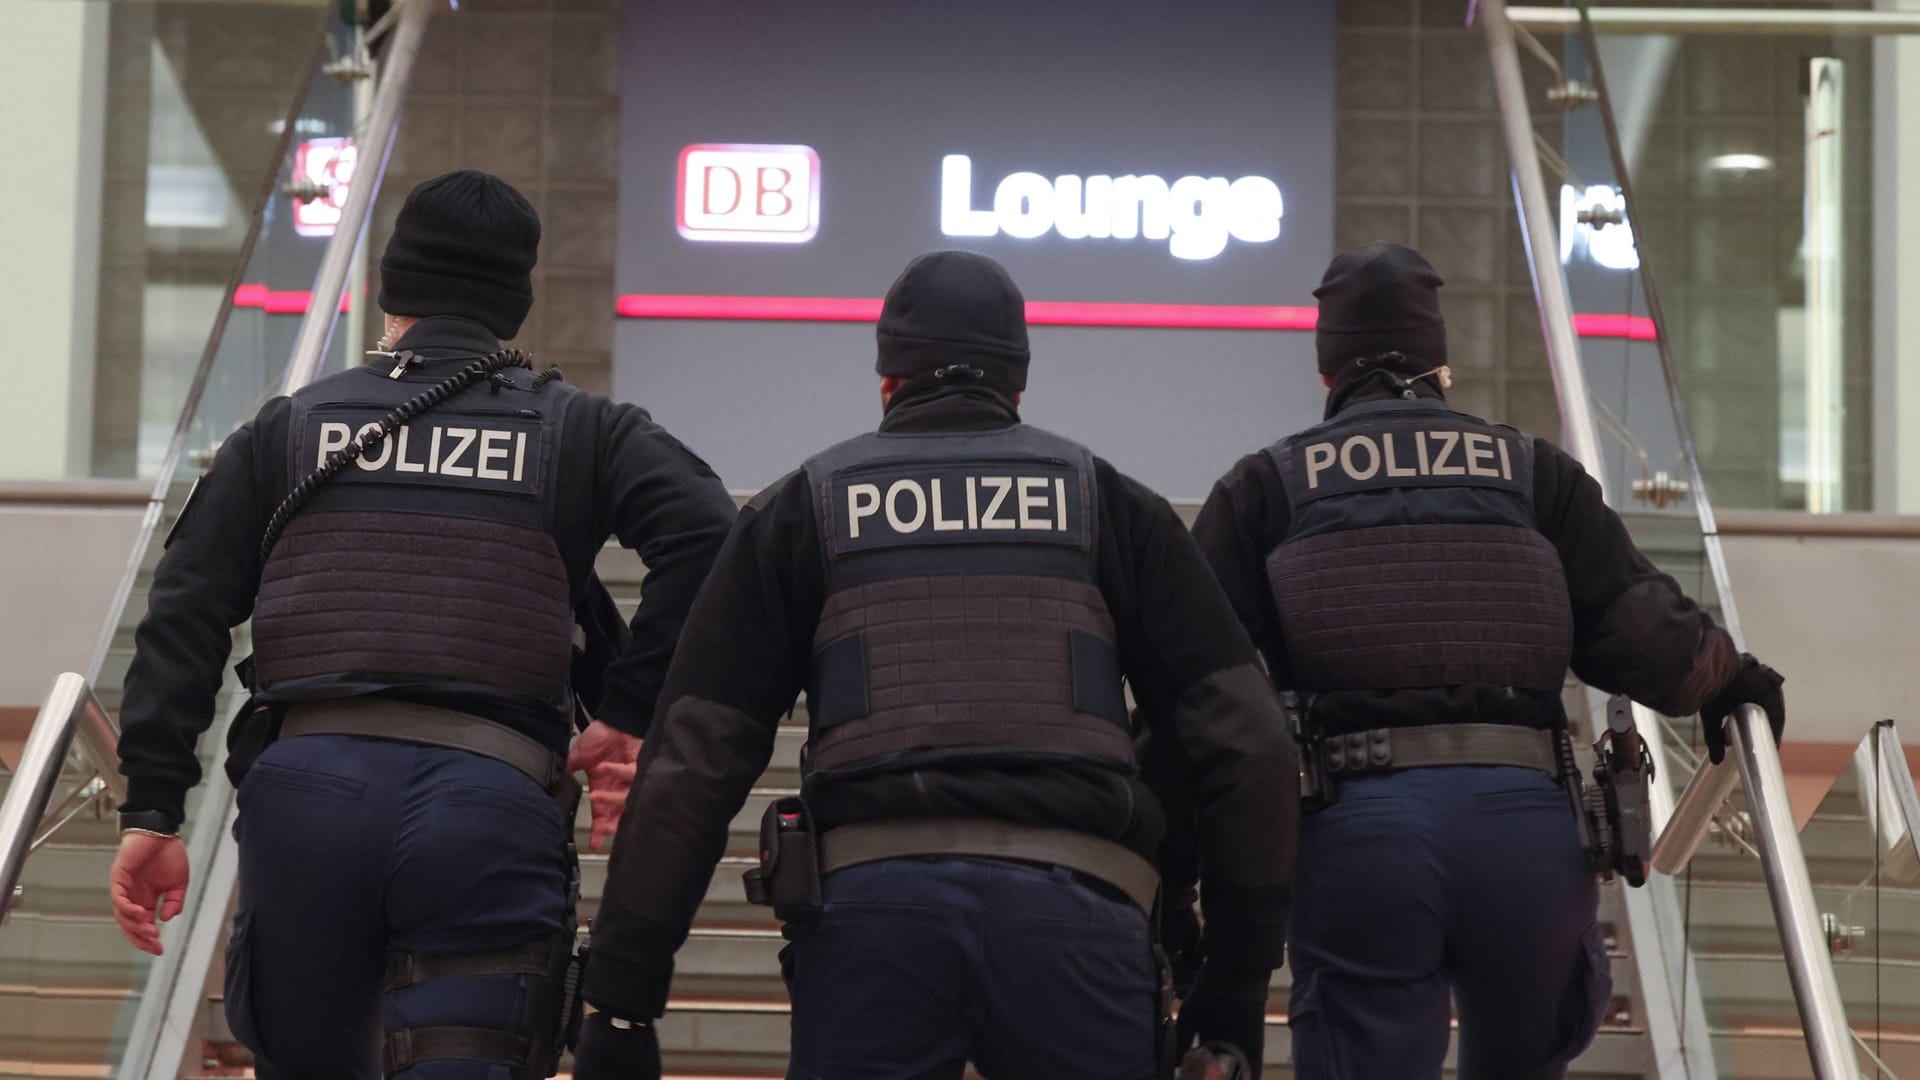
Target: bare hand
point(607, 755)
point(148, 884)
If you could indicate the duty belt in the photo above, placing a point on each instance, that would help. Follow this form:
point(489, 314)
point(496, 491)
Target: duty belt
point(1385, 749)
point(1118, 866)
point(424, 725)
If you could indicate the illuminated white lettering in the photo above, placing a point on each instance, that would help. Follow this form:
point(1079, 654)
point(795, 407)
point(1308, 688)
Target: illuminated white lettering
point(973, 503)
point(1319, 460)
point(1083, 210)
point(519, 454)
point(490, 452)
point(1420, 441)
point(1601, 240)
point(957, 215)
point(1060, 503)
point(1346, 457)
point(1256, 210)
point(999, 485)
point(1023, 205)
point(463, 437)
point(1448, 440)
point(1506, 464)
point(863, 500)
point(1197, 215)
point(1140, 208)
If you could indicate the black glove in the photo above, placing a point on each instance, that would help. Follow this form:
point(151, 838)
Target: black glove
point(1181, 940)
point(1753, 684)
point(1227, 1007)
point(606, 1052)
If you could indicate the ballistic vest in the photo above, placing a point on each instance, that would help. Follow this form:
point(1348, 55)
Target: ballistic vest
point(962, 621)
point(1412, 558)
point(431, 558)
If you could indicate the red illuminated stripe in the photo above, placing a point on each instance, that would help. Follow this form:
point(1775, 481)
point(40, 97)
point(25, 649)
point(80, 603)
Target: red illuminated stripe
point(1181, 316)
point(291, 302)
point(1044, 313)
point(1631, 327)
point(780, 308)
point(1039, 312)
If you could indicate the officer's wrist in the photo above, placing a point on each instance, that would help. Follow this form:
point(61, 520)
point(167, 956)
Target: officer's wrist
point(150, 823)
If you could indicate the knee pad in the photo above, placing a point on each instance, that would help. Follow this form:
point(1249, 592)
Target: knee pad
point(532, 1050)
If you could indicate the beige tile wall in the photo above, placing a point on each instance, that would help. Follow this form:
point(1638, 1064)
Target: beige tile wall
point(529, 89)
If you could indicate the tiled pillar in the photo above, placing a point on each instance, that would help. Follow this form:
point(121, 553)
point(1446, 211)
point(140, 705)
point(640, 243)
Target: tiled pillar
point(529, 90)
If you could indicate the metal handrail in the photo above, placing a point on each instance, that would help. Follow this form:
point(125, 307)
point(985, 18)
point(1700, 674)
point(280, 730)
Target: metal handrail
point(1899, 785)
point(69, 714)
point(1710, 785)
point(316, 329)
point(1810, 968)
point(1543, 262)
point(1809, 963)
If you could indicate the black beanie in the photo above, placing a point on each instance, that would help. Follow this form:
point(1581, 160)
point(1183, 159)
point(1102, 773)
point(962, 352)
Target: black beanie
point(464, 244)
point(1377, 299)
point(954, 307)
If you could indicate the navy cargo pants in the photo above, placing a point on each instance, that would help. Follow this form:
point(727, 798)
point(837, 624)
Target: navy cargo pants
point(919, 965)
point(352, 847)
point(1421, 885)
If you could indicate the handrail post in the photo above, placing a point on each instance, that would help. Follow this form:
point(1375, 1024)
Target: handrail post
point(1809, 965)
point(33, 782)
point(1578, 430)
point(396, 71)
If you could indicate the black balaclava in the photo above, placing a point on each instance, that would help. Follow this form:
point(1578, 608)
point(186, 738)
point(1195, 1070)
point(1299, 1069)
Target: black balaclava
point(464, 244)
point(957, 315)
point(1382, 298)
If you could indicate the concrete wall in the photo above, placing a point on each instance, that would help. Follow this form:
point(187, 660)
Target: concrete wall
point(62, 566)
point(1837, 616)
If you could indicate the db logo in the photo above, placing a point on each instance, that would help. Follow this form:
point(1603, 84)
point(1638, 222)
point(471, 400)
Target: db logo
point(754, 194)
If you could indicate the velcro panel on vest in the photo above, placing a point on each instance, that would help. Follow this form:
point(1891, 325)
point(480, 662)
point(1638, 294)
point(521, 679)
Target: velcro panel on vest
point(438, 597)
point(1401, 606)
point(966, 665)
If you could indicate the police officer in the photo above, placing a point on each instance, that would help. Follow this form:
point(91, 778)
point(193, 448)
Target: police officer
point(405, 871)
point(1424, 579)
point(960, 596)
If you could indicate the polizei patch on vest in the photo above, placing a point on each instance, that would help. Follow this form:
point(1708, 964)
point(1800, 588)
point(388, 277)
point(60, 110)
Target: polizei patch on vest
point(962, 502)
point(498, 452)
point(1404, 456)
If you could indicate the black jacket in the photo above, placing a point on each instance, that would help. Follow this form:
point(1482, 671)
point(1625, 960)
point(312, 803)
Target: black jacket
point(622, 476)
point(1635, 631)
point(745, 658)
